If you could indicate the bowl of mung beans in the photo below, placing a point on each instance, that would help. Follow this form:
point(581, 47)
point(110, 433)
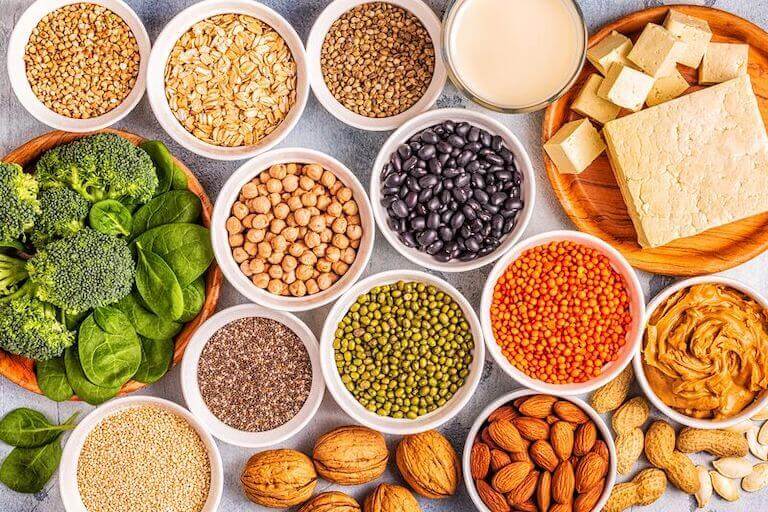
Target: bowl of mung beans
point(292, 229)
point(79, 66)
point(228, 79)
point(374, 65)
point(140, 454)
point(402, 352)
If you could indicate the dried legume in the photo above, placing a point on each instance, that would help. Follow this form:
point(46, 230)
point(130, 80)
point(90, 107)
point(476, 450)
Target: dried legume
point(403, 349)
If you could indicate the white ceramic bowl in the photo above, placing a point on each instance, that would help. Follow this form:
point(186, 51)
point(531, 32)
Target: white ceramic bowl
point(167, 39)
point(191, 389)
point(70, 494)
point(759, 404)
point(637, 310)
point(348, 402)
point(315, 44)
point(18, 77)
point(605, 433)
point(229, 194)
point(431, 118)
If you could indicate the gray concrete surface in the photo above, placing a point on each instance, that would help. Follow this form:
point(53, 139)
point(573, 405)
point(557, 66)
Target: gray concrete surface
point(319, 130)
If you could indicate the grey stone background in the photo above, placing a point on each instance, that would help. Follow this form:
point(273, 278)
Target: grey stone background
point(319, 130)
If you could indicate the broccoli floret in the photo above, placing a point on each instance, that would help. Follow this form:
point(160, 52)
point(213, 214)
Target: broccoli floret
point(12, 272)
point(18, 201)
point(101, 166)
point(29, 328)
point(84, 271)
point(62, 214)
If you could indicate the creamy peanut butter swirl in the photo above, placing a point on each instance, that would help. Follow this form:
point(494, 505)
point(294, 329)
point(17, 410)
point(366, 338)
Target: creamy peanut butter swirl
point(706, 351)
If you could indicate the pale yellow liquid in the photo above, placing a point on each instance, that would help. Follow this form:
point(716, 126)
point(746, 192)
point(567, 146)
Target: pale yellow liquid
point(516, 53)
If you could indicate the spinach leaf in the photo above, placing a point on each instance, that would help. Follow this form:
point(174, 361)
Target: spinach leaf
point(158, 285)
point(27, 470)
point(145, 322)
point(194, 297)
point(12, 244)
point(180, 180)
point(27, 428)
point(52, 379)
point(85, 389)
point(73, 320)
point(156, 358)
point(186, 248)
point(108, 359)
point(163, 161)
point(111, 218)
point(169, 208)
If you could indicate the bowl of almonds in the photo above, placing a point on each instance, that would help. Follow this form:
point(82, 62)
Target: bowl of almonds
point(529, 451)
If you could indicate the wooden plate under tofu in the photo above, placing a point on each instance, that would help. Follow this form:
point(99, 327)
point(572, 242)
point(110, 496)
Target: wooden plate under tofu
point(593, 200)
point(21, 370)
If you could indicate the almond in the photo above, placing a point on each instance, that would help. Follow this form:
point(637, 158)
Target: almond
point(561, 438)
point(589, 471)
point(486, 438)
point(563, 483)
point(561, 507)
point(570, 412)
point(510, 476)
point(492, 499)
point(521, 456)
point(544, 491)
point(531, 428)
point(551, 419)
point(586, 501)
point(506, 436)
point(505, 412)
point(480, 460)
point(528, 506)
point(499, 459)
point(537, 406)
point(585, 438)
point(601, 449)
point(523, 492)
point(543, 455)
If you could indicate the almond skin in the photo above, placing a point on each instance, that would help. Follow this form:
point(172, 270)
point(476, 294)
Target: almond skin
point(563, 483)
point(586, 501)
point(561, 507)
point(523, 492)
point(585, 438)
point(589, 471)
point(561, 438)
point(492, 499)
point(601, 449)
point(499, 459)
point(486, 438)
point(570, 412)
point(528, 506)
point(544, 491)
point(543, 455)
point(480, 461)
point(511, 476)
point(537, 406)
point(505, 412)
point(532, 429)
point(506, 436)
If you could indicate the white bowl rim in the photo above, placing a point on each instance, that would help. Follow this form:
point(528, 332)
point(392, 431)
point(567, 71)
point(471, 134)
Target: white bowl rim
point(23, 91)
point(164, 44)
point(521, 392)
point(68, 487)
point(634, 290)
point(191, 391)
point(317, 35)
point(351, 406)
point(430, 118)
point(760, 403)
point(228, 195)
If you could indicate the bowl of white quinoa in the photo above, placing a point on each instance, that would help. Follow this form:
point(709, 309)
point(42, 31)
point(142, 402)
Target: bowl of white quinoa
point(141, 454)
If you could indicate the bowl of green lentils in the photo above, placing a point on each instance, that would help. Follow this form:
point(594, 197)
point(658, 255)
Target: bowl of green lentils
point(402, 352)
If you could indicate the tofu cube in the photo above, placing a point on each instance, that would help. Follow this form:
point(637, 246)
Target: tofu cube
point(656, 51)
point(694, 32)
point(588, 103)
point(613, 48)
point(575, 146)
point(625, 87)
point(723, 62)
point(667, 88)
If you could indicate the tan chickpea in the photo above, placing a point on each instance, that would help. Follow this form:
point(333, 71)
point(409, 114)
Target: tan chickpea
point(336, 187)
point(292, 168)
point(276, 257)
point(317, 190)
point(324, 281)
point(323, 265)
point(294, 203)
point(291, 234)
point(302, 216)
point(314, 171)
point(236, 240)
point(289, 277)
point(239, 254)
point(348, 256)
point(326, 235)
point(354, 232)
point(350, 208)
point(303, 230)
point(328, 179)
point(254, 235)
point(274, 198)
point(281, 211)
point(278, 171)
point(290, 220)
point(298, 289)
point(322, 202)
point(296, 249)
point(289, 263)
point(353, 220)
point(312, 287)
point(260, 221)
point(312, 240)
point(339, 225)
point(251, 248)
point(257, 266)
point(355, 244)
point(275, 272)
point(317, 223)
point(290, 183)
point(279, 244)
point(250, 190)
point(333, 254)
point(340, 268)
point(264, 250)
point(308, 199)
point(340, 241)
point(276, 226)
point(260, 280)
point(306, 183)
point(319, 251)
point(308, 258)
point(264, 176)
point(245, 268)
point(259, 204)
point(313, 210)
point(344, 195)
point(274, 186)
point(248, 220)
point(239, 210)
point(304, 272)
point(276, 286)
point(234, 225)
point(263, 189)
point(268, 236)
point(334, 209)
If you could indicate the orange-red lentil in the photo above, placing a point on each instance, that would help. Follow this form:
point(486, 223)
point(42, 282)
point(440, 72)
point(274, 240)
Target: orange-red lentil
point(560, 312)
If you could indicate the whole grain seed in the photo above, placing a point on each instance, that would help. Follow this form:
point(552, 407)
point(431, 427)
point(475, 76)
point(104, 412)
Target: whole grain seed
point(144, 459)
point(254, 374)
point(231, 80)
point(377, 59)
point(82, 60)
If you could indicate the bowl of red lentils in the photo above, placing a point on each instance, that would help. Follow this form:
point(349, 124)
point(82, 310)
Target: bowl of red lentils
point(562, 313)
point(292, 229)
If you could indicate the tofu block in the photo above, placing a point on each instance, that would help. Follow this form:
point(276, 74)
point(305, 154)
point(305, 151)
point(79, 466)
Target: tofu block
point(575, 146)
point(692, 163)
point(656, 51)
point(692, 31)
point(723, 61)
point(588, 103)
point(625, 87)
point(667, 88)
point(613, 48)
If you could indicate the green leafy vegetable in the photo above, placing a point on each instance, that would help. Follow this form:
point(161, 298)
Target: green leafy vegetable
point(180, 180)
point(18, 201)
point(62, 214)
point(52, 379)
point(156, 357)
point(158, 285)
point(111, 217)
point(27, 470)
point(194, 297)
point(186, 248)
point(29, 327)
point(163, 161)
point(85, 389)
point(176, 206)
point(27, 428)
point(145, 322)
point(109, 348)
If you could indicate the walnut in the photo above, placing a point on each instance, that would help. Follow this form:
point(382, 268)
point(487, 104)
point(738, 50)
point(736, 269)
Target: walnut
point(331, 502)
point(351, 455)
point(279, 478)
point(391, 498)
point(429, 464)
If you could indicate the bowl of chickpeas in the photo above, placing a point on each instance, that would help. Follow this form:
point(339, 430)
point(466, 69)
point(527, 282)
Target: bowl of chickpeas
point(292, 229)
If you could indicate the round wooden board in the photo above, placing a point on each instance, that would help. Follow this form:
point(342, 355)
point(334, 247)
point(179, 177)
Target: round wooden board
point(22, 370)
point(592, 199)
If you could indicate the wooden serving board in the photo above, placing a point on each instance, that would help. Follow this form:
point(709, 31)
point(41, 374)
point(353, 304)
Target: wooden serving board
point(592, 199)
point(22, 370)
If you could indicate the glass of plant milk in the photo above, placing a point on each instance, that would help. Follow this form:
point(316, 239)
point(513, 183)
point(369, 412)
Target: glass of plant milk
point(514, 55)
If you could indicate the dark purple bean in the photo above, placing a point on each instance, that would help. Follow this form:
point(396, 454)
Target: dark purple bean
point(418, 223)
point(462, 129)
point(472, 245)
point(412, 183)
point(478, 181)
point(429, 137)
point(443, 147)
point(427, 151)
point(481, 196)
point(438, 188)
point(457, 220)
point(451, 172)
point(484, 251)
point(465, 231)
point(387, 201)
point(426, 237)
point(400, 209)
point(494, 159)
point(429, 181)
point(462, 181)
point(395, 180)
point(391, 191)
point(490, 208)
point(446, 234)
point(435, 247)
point(514, 204)
point(474, 134)
point(456, 141)
point(402, 192)
point(484, 215)
point(497, 198)
point(507, 156)
point(425, 195)
point(433, 220)
point(445, 196)
point(409, 239)
point(485, 138)
point(449, 126)
point(443, 257)
point(491, 189)
point(444, 158)
point(475, 225)
point(461, 194)
point(473, 166)
point(496, 143)
point(433, 204)
point(395, 162)
point(504, 176)
point(418, 172)
point(405, 152)
point(411, 199)
point(474, 147)
point(509, 225)
point(468, 212)
point(464, 158)
point(448, 185)
point(410, 163)
point(434, 166)
point(421, 209)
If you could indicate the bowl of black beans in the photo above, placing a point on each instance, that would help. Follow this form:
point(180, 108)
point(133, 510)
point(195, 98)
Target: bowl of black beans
point(452, 190)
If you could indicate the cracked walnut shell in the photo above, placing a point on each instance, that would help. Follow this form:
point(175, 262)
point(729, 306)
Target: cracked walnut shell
point(429, 464)
point(391, 498)
point(279, 478)
point(351, 455)
point(331, 502)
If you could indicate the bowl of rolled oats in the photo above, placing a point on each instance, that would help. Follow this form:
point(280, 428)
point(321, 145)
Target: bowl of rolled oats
point(78, 66)
point(227, 79)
